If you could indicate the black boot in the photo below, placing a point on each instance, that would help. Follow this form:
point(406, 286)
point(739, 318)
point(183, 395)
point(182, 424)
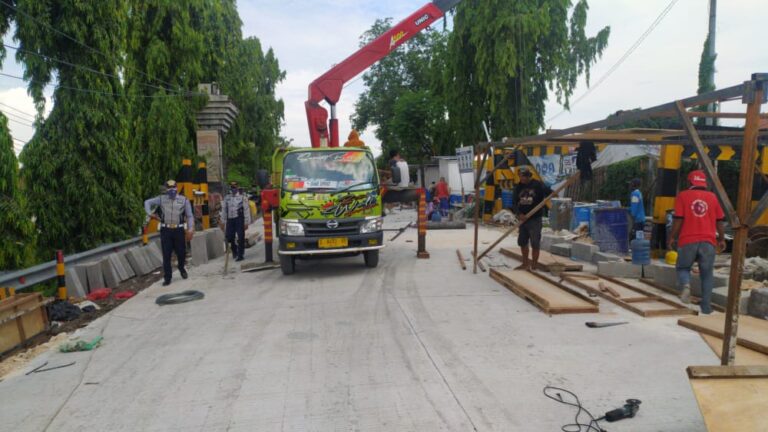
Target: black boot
point(166, 283)
point(183, 273)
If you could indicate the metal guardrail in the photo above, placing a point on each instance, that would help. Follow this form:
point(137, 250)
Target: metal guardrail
point(21, 279)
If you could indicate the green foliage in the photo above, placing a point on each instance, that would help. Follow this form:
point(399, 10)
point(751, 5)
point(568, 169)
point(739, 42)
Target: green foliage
point(619, 176)
point(706, 84)
point(17, 235)
point(648, 123)
point(165, 48)
point(78, 169)
point(413, 72)
point(250, 79)
point(506, 57)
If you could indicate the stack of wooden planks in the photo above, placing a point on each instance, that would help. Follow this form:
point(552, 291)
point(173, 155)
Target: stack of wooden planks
point(731, 398)
point(629, 296)
point(753, 332)
point(546, 260)
point(22, 317)
point(548, 295)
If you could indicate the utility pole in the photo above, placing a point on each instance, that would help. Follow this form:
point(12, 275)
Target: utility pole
point(711, 53)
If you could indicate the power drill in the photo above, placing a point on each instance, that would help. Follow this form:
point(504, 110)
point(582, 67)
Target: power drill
point(627, 411)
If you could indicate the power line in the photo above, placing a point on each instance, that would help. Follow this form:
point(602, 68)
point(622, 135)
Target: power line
point(46, 25)
point(623, 58)
point(94, 91)
point(21, 123)
point(85, 68)
point(32, 117)
point(11, 116)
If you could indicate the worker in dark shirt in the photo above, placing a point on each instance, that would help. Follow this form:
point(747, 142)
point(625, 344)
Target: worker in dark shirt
point(528, 194)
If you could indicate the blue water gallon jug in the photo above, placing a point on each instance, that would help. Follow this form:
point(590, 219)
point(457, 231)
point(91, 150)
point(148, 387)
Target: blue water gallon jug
point(641, 250)
point(507, 198)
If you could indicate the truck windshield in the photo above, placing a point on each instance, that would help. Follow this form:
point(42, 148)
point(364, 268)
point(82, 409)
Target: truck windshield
point(328, 171)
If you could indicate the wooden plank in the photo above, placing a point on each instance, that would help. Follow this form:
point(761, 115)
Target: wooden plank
point(545, 259)
point(751, 371)
point(546, 294)
point(744, 355)
point(21, 317)
point(753, 332)
point(732, 404)
point(646, 304)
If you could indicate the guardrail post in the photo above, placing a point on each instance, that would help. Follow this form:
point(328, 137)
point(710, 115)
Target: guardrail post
point(422, 250)
point(2, 293)
point(268, 236)
point(60, 274)
point(144, 235)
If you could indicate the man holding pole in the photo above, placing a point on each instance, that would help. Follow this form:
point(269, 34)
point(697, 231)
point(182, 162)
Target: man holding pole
point(528, 194)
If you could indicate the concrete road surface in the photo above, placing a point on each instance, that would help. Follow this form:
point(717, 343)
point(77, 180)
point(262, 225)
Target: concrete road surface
point(414, 345)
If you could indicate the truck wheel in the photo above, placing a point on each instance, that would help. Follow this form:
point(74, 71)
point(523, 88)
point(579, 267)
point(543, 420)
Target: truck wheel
point(288, 264)
point(371, 258)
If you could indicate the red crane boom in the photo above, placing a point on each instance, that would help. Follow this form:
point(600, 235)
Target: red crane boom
point(328, 86)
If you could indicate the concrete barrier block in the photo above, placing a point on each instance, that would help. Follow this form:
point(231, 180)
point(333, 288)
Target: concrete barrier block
point(547, 240)
point(619, 269)
point(82, 274)
point(76, 287)
point(664, 275)
point(154, 255)
point(605, 256)
point(95, 276)
point(717, 282)
point(138, 261)
point(120, 271)
point(562, 249)
point(583, 251)
point(121, 256)
point(757, 305)
point(215, 243)
point(200, 248)
point(111, 279)
point(720, 297)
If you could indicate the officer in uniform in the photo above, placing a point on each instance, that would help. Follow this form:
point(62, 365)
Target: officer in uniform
point(177, 224)
point(237, 213)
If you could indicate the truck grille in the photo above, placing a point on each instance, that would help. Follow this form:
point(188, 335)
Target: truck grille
point(319, 228)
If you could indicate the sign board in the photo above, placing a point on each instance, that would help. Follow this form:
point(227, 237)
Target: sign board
point(465, 155)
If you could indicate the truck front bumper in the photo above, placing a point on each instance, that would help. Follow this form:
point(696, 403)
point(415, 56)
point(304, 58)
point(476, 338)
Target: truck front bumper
point(309, 245)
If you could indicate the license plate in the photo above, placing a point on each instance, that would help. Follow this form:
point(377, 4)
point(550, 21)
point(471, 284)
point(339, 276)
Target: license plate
point(333, 242)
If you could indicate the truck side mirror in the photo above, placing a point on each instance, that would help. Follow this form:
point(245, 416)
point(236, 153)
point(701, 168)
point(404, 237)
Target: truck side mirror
point(262, 178)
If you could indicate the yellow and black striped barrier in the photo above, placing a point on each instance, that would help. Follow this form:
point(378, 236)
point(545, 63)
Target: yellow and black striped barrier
point(61, 280)
point(422, 245)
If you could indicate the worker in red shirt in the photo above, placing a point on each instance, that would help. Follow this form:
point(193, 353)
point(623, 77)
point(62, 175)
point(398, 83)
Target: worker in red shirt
point(443, 193)
point(699, 221)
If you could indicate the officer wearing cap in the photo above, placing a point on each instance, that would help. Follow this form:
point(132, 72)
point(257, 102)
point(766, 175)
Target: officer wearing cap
point(176, 226)
point(236, 215)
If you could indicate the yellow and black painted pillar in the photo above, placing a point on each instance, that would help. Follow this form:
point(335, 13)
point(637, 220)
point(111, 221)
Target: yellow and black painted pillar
point(185, 178)
point(422, 245)
point(61, 280)
point(201, 179)
point(667, 176)
point(760, 185)
point(268, 235)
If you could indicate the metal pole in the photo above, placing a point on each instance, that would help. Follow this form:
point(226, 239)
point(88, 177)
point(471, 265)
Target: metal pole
point(748, 150)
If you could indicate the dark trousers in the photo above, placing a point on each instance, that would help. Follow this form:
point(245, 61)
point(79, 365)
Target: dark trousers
point(172, 240)
point(236, 226)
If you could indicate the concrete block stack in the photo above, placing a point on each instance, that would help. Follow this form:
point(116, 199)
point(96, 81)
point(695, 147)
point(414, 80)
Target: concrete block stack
point(215, 243)
point(720, 297)
point(154, 255)
point(121, 256)
point(200, 248)
point(619, 269)
point(76, 287)
point(663, 274)
point(109, 273)
point(95, 277)
point(117, 264)
point(605, 256)
point(138, 261)
point(562, 249)
point(583, 251)
point(548, 240)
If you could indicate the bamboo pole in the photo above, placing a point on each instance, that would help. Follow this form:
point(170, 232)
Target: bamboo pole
point(477, 204)
point(554, 193)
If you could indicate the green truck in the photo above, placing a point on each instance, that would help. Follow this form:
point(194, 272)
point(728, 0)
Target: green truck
point(329, 204)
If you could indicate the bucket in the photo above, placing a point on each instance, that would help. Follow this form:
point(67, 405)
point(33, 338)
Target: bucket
point(610, 230)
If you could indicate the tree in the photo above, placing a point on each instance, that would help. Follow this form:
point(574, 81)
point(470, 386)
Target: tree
point(165, 52)
point(706, 68)
point(78, 169)
point(17, 235)
point(410, 70)
point(505, 59)
point(250, 79)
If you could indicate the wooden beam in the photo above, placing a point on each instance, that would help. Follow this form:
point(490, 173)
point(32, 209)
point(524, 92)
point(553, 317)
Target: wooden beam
point(748, 150)
point(476, 216)
point(554, 193)
point(721, 115)
point(758, 211)
point(757, 371)
point(703, 154)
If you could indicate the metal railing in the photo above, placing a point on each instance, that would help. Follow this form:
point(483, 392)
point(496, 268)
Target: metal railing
point(21, 279)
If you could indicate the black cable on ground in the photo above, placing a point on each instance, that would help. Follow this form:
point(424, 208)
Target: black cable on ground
point(182, 297)
point(577, 426)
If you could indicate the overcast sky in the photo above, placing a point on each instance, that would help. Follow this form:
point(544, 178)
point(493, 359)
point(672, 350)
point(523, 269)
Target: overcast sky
point(310, 36)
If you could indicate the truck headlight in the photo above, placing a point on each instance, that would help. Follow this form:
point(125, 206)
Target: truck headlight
point(291, 228)
point(371, 225)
